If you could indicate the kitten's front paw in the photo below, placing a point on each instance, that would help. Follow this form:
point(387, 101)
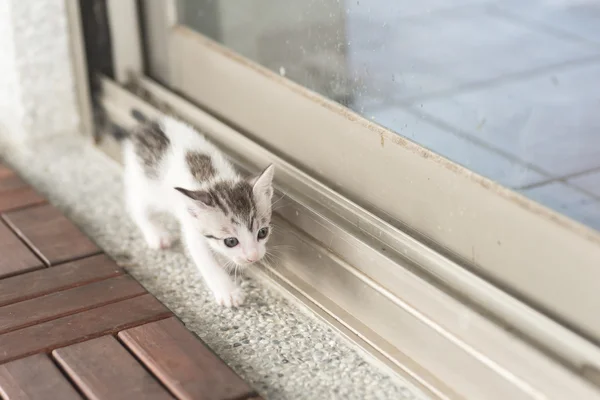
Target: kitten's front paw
point(230, 297)
point(159, 241)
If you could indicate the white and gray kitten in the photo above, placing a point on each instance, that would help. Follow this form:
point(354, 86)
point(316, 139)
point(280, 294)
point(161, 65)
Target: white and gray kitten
point(170, 167)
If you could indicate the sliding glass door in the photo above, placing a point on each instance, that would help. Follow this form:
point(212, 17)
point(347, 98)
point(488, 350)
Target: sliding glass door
point(507, 92)
point(437, 163)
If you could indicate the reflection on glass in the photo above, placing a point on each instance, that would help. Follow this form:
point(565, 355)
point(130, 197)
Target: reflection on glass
point(507, 88)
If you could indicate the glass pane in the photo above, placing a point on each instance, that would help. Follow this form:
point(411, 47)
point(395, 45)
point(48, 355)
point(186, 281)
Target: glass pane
point(507, 88)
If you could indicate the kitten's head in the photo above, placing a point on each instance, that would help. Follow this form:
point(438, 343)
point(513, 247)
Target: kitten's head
point(235, 216)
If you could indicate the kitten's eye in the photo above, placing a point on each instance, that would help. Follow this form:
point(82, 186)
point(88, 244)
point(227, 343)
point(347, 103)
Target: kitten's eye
point(262, 233)
point(231, 242)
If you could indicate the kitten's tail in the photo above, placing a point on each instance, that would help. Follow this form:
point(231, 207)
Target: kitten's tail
point(120, 133)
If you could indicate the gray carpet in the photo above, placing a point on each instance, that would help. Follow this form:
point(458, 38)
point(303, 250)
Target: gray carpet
point(279, 349)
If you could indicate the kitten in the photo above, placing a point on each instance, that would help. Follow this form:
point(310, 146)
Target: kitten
point(170, 167)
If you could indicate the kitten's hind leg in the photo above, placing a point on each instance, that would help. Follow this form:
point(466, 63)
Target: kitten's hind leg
point(156, 236)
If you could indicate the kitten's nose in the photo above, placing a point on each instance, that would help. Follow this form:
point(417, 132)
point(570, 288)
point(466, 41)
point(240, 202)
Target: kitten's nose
point(252, 256)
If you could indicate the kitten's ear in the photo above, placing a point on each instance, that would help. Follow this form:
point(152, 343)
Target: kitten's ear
point(198, 195)
point(201, 199)
point(262, 185)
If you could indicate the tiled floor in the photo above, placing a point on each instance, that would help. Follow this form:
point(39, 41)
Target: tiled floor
point(74, 325)
point(507, 88)
point(589, 181)
point(567, 200)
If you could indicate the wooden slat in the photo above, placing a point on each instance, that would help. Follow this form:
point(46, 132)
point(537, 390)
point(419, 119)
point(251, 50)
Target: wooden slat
point(5, 172)
point(183, 363)
point(12, 182)
point(15, 257)
point(50, 234)
point(34, 378)
point(61, 277)
point(79, 327)
point(103, 369)
point(59, 304)
point(15, 193)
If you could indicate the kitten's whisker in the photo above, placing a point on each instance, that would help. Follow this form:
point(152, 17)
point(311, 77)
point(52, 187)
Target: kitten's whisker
point(281, 246)
point(279, 199)
point(279, 229)
point(276, 257)
point(268, 258)
point(283, 250)
point(278, 207)
point(268, 268)
point(272, 251)
point(280, 253)
point(229, 266)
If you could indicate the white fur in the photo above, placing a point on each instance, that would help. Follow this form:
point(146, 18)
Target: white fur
point(146, 196)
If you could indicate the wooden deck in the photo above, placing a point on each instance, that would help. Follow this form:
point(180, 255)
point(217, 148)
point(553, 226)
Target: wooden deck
point(74, 325)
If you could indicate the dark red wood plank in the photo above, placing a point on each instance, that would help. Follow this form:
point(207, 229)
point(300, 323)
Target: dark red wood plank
point(15, 193)
point(50, 234)
point(75, 328)
point(183, 363)
point(5, 172)
point(34, 378)
point(15, 257)
point(64, 276)
point(12, 182)
point(60, 304)
point(103, 369)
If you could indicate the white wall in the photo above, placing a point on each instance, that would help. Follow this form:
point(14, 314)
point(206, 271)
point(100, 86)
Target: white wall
point(37, 85)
